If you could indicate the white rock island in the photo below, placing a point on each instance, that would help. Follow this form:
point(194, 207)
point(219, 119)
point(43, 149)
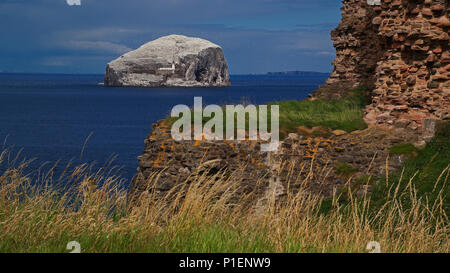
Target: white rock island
point(170, 61)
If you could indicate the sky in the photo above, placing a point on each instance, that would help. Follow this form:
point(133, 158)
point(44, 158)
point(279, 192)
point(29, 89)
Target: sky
point(257, 36)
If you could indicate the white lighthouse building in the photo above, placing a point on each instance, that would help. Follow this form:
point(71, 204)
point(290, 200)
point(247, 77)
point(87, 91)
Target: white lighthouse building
point(168, 68)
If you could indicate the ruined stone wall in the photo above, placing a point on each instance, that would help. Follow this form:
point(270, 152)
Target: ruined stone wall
point(399, 49)
point(358, 46)
point(301, 161)
point(177, 163)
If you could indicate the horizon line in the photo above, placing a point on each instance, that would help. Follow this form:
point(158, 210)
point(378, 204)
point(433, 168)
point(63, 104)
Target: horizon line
point(102, 74)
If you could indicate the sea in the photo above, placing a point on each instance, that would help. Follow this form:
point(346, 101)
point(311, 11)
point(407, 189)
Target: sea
point(54, 119)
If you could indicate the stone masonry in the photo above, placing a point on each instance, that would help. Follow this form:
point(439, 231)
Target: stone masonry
point(400, 50)
point(301, 161)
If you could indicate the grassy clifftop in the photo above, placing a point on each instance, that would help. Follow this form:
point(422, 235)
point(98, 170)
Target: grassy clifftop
point(345, 113)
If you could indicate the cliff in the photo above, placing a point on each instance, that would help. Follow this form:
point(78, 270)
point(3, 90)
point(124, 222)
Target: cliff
point(400, 50)
point(173, 60)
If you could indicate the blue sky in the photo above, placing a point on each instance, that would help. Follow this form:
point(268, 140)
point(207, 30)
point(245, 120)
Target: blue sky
point(257, 36)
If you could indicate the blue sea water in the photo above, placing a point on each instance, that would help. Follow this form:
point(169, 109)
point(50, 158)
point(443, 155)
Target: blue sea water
point(51, 116)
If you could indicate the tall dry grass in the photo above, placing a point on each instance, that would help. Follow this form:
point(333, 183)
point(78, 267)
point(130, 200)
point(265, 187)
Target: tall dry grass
point(37, 214)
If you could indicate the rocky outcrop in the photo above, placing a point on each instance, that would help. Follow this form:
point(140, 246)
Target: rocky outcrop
point(400, 49)
point(177, 163)
point(307, 162)
point(170, 61)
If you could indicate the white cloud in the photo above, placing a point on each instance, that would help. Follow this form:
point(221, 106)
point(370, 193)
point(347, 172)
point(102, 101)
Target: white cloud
point(102, 46)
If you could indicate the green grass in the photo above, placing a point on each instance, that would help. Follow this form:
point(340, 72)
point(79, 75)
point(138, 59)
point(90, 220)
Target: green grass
point(428, 172)
point(429, 169)
point(345, 113)
point(403, 149)
point(101, 221)
point(345, 170)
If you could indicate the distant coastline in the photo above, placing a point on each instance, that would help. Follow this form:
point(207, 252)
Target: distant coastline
point(299, 73)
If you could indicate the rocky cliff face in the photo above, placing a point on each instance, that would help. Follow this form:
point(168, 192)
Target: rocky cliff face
point(173, 60)
point(400, 49)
